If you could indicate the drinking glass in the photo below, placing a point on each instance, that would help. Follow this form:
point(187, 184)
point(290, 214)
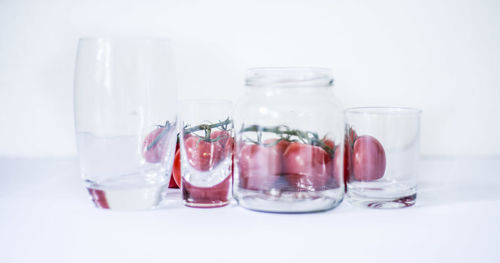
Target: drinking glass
point(382, 153)
point(125, 120)
point(206, 152)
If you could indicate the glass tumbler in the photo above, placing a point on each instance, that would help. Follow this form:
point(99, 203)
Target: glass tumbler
point(382, 154)
point(125, 120)
point(206, 152)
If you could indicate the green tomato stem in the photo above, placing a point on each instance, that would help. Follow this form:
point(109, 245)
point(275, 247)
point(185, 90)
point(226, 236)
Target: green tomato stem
point(165, 130)
point(207, 128)
point(306, 137)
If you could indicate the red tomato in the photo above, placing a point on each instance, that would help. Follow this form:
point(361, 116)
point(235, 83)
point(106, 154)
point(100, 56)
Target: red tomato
point(349, 139)
point(226, 141)
point(173, 183)
point(223, 136)
point(202, 155)
point(307, 166)
point(368, 159)
point(347, 161)
point(335, 167)
point(154, 145)
point(280, 147)
point(232, 167)
point(176, 169)
point(99, 198)
point(259, 167)
point(329, 143)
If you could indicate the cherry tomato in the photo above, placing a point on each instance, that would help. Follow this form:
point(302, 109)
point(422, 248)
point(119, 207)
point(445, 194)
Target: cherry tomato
point(306, 167)
point(176, 169)
point(232, 167)
point(368, 159)
point(223, 136)
point(225, 141)
point(329, 143)
point(259, 167)
point(99, 198)
point(173, 183)
point(153, 147)
point(202, 155)
point(335, 163)
point(349, 139)
point(280, 147)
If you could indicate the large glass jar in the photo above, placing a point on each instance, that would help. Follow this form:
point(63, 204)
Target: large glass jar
point(289, 136)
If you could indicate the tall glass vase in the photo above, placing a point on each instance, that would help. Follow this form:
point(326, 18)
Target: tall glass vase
point(125, 120)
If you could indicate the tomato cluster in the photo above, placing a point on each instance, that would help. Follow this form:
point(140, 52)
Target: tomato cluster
point(289, 165)
point(282, 164)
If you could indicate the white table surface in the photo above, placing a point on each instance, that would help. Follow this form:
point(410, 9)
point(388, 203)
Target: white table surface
point(46, 216)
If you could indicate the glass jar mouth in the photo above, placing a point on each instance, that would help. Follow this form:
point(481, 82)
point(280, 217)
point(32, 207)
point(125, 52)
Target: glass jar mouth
point(126, 39)
point(289, 76)
point(205, 102)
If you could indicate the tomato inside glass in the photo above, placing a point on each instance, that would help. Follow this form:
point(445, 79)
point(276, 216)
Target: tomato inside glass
point(225, 140)
point(202, 155)
point(153, 147)
point(368, 159)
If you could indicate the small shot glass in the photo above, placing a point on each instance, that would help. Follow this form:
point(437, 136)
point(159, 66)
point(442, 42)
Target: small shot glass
point(206, 137)
point(382, 154)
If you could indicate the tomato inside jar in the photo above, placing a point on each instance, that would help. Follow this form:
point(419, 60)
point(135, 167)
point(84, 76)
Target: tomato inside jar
point(281, 164)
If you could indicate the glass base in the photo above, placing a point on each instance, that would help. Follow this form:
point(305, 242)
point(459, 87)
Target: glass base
point(206, 205)
point(206, 197)
point(290, 202)
point(382, 203)
point(126, 198)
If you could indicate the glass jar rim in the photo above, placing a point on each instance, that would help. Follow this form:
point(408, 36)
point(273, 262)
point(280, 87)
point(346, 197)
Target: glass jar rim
point(124, 38)
point(383, 111)
point(205, 101)
point(289, 76)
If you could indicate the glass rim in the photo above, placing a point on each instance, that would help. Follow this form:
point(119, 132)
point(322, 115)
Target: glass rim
point(125, 38)
point(289, 76)
point(383, 111)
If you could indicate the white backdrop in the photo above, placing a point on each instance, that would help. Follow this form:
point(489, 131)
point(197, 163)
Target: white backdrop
point(440, 56)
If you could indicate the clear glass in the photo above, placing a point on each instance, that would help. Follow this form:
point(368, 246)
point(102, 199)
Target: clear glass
point(288, 155)
point(382, 153)
point(206, 152)
point(125, 120)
